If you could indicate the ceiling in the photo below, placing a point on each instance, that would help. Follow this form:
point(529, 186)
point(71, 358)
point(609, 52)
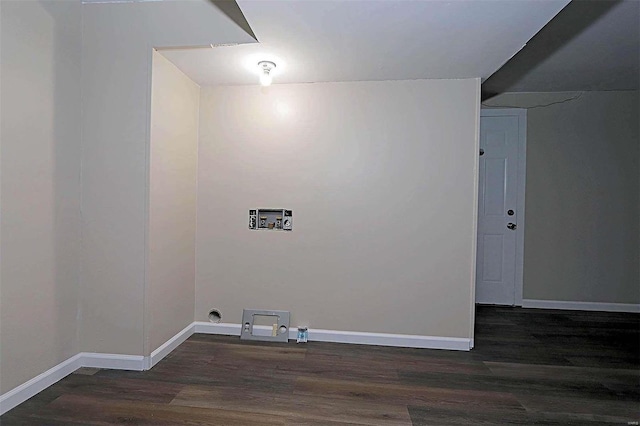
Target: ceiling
point(589, 45)
point(320, 41)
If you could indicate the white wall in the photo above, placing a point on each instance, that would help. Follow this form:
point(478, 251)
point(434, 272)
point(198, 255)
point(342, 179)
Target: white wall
point(583, 196)
point(76, 90)
point(116, 84)
point(172, 200)
point(40, 186)
point(382, 180)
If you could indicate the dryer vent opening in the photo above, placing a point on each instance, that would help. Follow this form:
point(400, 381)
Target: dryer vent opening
point(215, 316)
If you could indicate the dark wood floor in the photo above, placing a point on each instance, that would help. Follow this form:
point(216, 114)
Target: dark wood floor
point(528, 367)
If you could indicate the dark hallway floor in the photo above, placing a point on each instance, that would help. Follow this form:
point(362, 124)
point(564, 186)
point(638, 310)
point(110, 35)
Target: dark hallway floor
point(528, 367)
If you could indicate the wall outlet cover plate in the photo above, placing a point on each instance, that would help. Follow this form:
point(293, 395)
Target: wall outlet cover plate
point(276, 331)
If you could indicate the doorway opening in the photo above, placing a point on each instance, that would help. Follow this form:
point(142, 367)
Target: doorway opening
point(501, 202)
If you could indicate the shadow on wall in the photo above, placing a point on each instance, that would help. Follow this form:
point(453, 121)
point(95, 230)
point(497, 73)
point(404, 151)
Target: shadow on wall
point(233, 12)
point(571, 21)
point(65, 169)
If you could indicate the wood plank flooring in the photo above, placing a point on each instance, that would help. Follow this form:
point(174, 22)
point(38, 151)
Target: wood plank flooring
point(528, 367)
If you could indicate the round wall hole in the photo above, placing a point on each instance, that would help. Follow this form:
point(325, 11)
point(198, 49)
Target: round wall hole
point(215, 316)
point(283, 329)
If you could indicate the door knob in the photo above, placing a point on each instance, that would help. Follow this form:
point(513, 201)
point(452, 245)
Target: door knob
point(512, 226)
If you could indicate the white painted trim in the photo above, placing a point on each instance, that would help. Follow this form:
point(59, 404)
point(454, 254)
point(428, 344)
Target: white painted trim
point(521, 113)
point(581, 306)
point(230, 329)
point(166, 348)
point(385, 339)
point(112, 361)
point(474, 222)
point(223, 328)
point(351, 337)
point(19, 394)
point(520, 204)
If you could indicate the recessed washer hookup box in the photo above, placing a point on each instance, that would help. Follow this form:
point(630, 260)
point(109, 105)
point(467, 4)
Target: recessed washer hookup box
point(271, 219)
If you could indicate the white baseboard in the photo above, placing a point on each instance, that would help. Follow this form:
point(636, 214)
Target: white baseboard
point(113, 361)
point(229, 329)
point(385, 339)
point(28, 389)
point(170, 345)
point(351, 337)
point(222, 328)
point(581, 306)
point(18, 395)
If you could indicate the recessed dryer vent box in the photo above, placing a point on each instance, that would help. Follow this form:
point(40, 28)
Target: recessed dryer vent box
point(271, 326)
point(271, 219)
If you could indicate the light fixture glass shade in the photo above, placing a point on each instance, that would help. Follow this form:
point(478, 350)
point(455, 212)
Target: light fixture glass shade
point(265, 68)
point(265, 78)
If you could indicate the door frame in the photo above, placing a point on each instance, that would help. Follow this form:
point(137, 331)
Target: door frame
point(521, 113)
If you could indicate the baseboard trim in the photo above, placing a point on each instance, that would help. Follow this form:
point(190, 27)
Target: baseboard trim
point(229, 329)
point(225, 329)
point(581, 306)
point(170, 345)
point(21, 393)
point(113, 361)
point(18, 395)
point(352, 337)
point(385, 339)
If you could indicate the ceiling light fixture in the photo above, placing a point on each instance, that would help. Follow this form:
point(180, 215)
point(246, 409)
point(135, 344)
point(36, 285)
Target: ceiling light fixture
point(265, 68)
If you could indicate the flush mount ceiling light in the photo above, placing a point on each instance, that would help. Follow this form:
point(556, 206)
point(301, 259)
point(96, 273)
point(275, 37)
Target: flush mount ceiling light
point(265, 68)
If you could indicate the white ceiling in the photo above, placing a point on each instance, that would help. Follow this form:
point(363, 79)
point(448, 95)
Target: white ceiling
point(314, 41)
point(604, 56)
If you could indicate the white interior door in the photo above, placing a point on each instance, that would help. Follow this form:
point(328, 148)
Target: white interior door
point(498, 210)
